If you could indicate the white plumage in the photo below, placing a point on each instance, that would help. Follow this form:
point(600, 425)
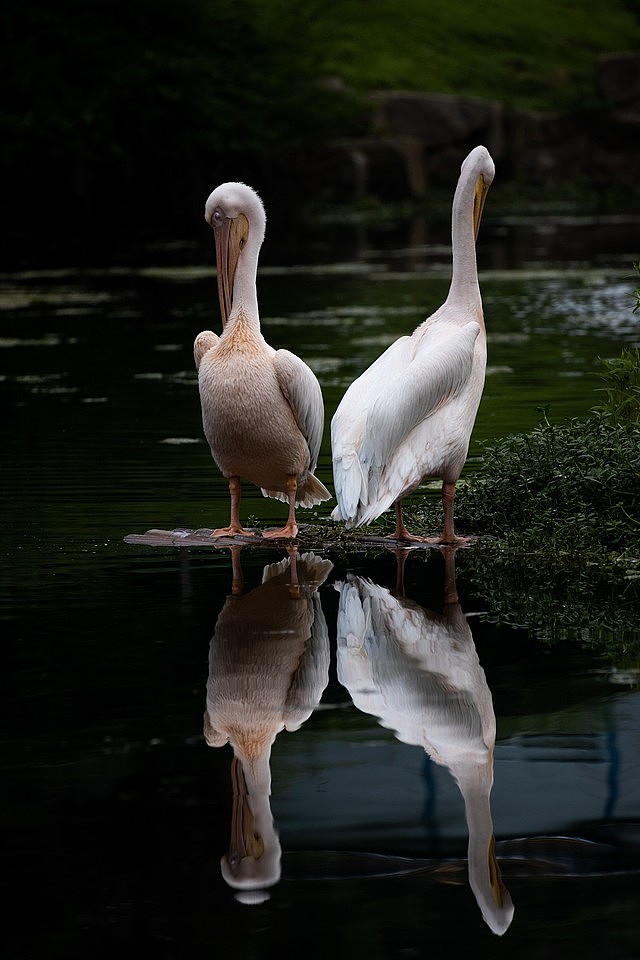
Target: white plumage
point(418, 672)
point(409, 416)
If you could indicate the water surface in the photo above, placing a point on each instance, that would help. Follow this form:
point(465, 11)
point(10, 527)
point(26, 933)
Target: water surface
point(117, 812)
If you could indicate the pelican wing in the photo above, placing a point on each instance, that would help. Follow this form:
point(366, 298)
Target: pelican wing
point(302, 391)
point(349, 423)
point(393, 362)
point(203, 342)
point(311, 675)
point(349, 420)
point(434, 376)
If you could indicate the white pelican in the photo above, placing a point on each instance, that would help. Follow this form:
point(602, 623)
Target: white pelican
point(409, 416)
point(262, 409)
point(268, 667)
point(418, 672)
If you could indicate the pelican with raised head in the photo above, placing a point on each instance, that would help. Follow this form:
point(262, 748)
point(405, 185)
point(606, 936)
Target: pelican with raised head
point(262, 409)
point(409, 416)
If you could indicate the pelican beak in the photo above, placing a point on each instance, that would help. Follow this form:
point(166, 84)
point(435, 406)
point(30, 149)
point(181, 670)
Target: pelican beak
point(479, 197)
point(497, 886)
point(245, 841)
point(230, 237)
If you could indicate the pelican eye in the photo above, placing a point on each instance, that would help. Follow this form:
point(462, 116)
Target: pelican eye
point(218, 217)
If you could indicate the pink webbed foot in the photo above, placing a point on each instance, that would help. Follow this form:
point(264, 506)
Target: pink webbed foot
point(232, 530)
point(289, 531)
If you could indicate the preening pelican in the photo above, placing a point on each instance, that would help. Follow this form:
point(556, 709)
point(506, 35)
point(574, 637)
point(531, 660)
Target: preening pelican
point(418, 672)
point(262, 409)
point(268, 667)
point(409, 416)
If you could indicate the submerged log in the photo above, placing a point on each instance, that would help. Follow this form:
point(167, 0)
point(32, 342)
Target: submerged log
point(309, 535)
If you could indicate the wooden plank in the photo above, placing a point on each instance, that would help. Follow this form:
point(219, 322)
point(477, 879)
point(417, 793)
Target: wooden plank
point(308, 535)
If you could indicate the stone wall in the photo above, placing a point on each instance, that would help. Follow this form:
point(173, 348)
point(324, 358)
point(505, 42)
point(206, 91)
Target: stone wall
point(415, 139)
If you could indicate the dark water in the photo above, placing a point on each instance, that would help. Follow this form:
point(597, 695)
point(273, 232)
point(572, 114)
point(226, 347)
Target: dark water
point(117, 813)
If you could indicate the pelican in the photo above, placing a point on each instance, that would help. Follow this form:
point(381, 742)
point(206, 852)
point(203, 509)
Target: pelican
point(418, 672)
point(262, 409)
point(409, 416)
point(268, 667)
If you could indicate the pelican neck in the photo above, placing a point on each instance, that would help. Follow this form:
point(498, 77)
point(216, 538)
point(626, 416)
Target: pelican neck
point(464, 280)
point(245, 297)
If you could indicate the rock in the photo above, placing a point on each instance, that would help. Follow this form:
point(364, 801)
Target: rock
point(619, 77)
point(415, 139)
point(435, 119)
point(420, 127)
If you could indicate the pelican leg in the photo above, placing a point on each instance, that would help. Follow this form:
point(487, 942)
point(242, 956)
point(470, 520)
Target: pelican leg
point(237, 582)
point(290, 528)
point(450, 589)
point(294, 583)
point(401, 555)
point(401, 532)
point(235, 529)
point(448, 533)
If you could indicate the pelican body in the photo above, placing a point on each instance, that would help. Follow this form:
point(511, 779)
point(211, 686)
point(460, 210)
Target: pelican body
point(262, 409)
point(409, 416)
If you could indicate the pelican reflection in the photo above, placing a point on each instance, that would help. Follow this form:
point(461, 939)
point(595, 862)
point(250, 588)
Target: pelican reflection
point(417, 671)
point(268, 668)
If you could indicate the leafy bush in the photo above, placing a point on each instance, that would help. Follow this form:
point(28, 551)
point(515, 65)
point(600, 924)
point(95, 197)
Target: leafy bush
point(569, 488)
point(622, 388)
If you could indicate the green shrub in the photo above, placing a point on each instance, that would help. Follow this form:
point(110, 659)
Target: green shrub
point(575, 486)
point(622, 384)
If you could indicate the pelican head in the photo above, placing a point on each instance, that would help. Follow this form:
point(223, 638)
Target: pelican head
point(253, 860)
point(236, 215)
point(479, 169)
point(492, 896)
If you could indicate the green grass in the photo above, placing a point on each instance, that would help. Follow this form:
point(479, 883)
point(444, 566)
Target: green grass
point(539, 54)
